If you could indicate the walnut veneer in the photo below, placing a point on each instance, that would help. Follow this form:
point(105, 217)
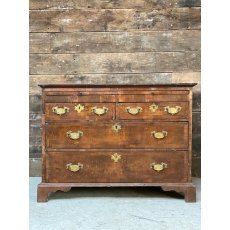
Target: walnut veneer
point(118, 135)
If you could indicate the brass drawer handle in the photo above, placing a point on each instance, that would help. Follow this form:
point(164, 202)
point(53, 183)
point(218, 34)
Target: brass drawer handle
point(134, 110)
point(159, 135)
point(99, 111)
point(115, 157)
point(158, 167)
point(74, 135)
point(79, 108)
point(153, 107)
point(116, 128)
point(74, 168)
point(172, 110)
point(60, 111)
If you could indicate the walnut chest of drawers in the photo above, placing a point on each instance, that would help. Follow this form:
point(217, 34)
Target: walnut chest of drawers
point(117, 135)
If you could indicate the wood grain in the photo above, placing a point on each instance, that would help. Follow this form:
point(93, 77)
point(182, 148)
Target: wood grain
point(114, 62)
point(98, 167)
point(178, 61)
point(114, 20)
point(125, 42)
point(111, 4)
point(147, 114)
point(85, 114)
point(39, 42)
point(96, 78)
point(132, 135)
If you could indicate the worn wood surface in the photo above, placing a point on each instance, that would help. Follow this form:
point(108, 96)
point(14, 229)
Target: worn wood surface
point(189, 191)
point(132, 135)
point(133, 167)
point(35, 143)
point(114, 20)
point(147, 114)
point(83, 4)
point(114, 62)
point(114, 27)
point(115, 98)
point(134, 142)
point(147, 78)
point(123, 42)
point(121, 111)
point(85, 114)
point(43, 192)
point(39, 42)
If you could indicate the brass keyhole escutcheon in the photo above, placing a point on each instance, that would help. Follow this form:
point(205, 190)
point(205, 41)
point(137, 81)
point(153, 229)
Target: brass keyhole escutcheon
point(116, 128)
point(115, 157)
point(79, 108)
point(153, 107)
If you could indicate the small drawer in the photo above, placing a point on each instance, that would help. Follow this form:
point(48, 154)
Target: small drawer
point(156, 96)
point(105, 135)
point(153, 110)
point(117, 166)
point(79, 111)
point(81, 97)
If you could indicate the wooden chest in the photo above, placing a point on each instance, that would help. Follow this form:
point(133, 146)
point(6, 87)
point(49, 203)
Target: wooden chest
point(118, 135)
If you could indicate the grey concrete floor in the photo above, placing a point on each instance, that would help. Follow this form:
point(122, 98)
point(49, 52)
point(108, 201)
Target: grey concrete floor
point(113, 209)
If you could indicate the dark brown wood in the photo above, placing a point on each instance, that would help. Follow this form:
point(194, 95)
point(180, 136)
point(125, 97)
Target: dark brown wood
point(132, 135)
point(134, 166)
point(134, 142)
point(44, 190)
point(85, 114)
point(148, 114)
point(119, 87)
point(188, 190)
point(117, 96)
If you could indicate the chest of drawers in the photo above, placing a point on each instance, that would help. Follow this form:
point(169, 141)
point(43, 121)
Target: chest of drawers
point(117, 135)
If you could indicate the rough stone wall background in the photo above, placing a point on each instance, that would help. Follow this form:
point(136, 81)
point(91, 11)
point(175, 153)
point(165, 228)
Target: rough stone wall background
point(113, 42)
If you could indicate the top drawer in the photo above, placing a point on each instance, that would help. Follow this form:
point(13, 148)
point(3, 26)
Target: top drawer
point(77, 111)
point(117, 96)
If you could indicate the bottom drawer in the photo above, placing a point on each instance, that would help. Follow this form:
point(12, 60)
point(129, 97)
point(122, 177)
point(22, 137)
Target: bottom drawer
point(117, 166)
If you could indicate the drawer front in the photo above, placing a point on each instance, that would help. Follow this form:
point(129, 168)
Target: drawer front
point(120, 95)
point(154, 110)
point(156, 135)
point(75, 99)
point(80, 111)
point(119, 166)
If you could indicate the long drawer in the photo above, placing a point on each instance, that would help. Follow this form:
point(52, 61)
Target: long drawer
point(109, 95)
point(119, 166)
point(144, 135)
